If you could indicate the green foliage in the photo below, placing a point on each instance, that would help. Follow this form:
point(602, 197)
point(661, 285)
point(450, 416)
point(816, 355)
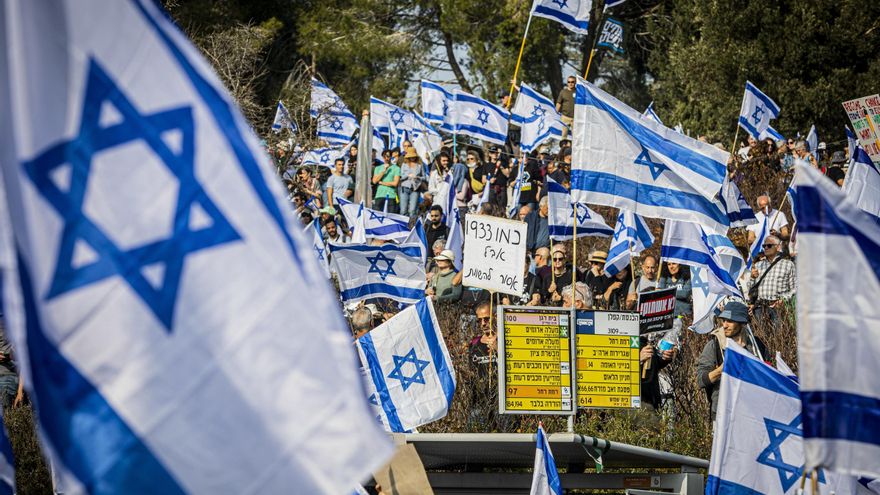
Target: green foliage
point(31, 472)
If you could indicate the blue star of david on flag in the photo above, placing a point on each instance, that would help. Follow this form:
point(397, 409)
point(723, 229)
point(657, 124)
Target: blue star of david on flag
point(336, 125)
point(110, 259)
point(483, 116)
point(419, 365)
point(583, 214)
point(396, 116)
point(374, 265)
point(320, 251)
point(758, 114)
point(375, 216)
point(539, 111)
point(700, 284)
point(772, 455)
point(325, 158)
point(644, 158)
point(562, 3)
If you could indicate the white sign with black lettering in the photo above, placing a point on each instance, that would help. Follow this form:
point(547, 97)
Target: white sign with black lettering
point(494, 254)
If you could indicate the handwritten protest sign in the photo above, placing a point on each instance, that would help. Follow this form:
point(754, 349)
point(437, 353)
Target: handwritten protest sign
point(657, 309)
point(864, 114)
point(494, 254)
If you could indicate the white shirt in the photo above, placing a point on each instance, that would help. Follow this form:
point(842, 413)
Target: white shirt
point(779, 221)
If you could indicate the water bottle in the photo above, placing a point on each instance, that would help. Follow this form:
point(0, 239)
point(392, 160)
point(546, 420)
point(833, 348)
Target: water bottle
point(670, 340)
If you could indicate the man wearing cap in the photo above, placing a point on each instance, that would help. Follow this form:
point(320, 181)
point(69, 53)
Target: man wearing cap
point(338, 184)
point(595, 277)
point(835, 171)
point(734, 325)
point(445, 286)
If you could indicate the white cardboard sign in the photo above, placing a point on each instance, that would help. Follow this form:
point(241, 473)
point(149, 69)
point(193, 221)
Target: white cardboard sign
point(494, 254)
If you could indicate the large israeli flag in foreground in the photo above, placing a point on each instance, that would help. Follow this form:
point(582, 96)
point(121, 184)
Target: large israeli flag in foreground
point(838, 327)
point(626, 161)
point(758, 442)
point(477, 118)
point(437, 105)
point(563, 214)
point(407, 359)
point(393, 271)
point(573, 14)
point(537, 118)
point(688, 244)
point(150, 305)
point(336, 123)
point(756, 111)
point(862, 184)
point(376, 224)
point(631, 237)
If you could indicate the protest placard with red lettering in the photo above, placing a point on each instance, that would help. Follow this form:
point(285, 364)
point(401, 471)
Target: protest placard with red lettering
point(657, 310)
point(864, 114)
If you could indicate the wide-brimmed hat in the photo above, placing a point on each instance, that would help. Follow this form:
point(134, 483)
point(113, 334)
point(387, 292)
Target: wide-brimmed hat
point(598, 257)
point(411, 154)
point(735, 311)
point(446, 254)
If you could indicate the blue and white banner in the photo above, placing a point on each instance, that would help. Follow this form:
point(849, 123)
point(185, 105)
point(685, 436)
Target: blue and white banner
point(455, 242)
point(437, 105)
point(477, 118)
point(758, 446)
point(376, 224)
point(410, 367)
point(612, 35)
point(323, 157)
point(688, 244)
point(573, 14)
point(563, 213)
point(649, 113)
point(838, 330)
point(148, 284)
point(513, 204)
point(851, 143)
point(385, 116)
point(862, 184)
point(545, 476)
point(631, 237)
point(758, 244)
point(7, 462)
point(756, 111)
point(282, 119)
point(417, 236)
point(813, 142)
point(705, 303)
point(537, 118)
point(426, 140)
point(771, 133)
point(336, 124)
point(629, 162)
point(319, 247)
point(390, 270)
point(738, 210)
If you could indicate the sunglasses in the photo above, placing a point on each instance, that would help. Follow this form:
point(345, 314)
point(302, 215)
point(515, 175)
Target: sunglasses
point(471, 159)
point(765, 246)
point(558, 259)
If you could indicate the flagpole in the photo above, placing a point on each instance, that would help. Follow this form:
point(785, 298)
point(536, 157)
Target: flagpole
point(595, 42)
point(733, 146)
point(522, 48)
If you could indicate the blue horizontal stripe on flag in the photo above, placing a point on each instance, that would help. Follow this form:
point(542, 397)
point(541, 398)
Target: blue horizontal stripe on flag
point(562, 17)
point(841, 416)
point(407, 250)
point(378, 377)
point(481, 132)
point(684, 255)
point(333, 135)
point(436, 87)
point(387, 230)
point(433, 117)
point(483, 103)
point(552, 131)
point(444, 373)
point(764, 98)
point(759, 374)
point(403, 294)
point(692, 160)
point(528, 91)
point(744, 122)
point(717, 486)
point(554, 187)
point(568, 231)
point(646, 194)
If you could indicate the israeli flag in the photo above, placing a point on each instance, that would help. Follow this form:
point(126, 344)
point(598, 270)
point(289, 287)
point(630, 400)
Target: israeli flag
point(323, 157)
point(455, 242)
point(813, 141)
point(631, 237)
point(545, 476)
point(376, 224)
point(757, 246)
point(385, 116)
point(613, 3)
point(563, 213)
point(390, 270)
point(437, 105)
point(705, 303)
point(426, 140)
point(862, 184)
point(537, 118)
point(649, 113)
point(756, 111)
point(378, 142)
point(688, 244)
point(319, 247)
point(7, 462)
point(838, 334)
point(573, 14)
point(628, 162)
point(336, 123)
point(784, 368)
point(410, 367)
point(148, 255)
point(477, 118)
point(758, 446)
point(282, 119)
point(851, 143)
point(417, 236)
point(513, 205)
point(771, 133)
point(738, 210)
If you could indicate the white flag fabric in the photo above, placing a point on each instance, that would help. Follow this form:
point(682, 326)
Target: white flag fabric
point(649, 113)
point(705, 303)
point(410, 367)
point(376, 224)
point(455, 242)
point(862, 184)
point(537, 118)
point(631, 237)
point(771, 133)
point(732, 201)
point(758, 444)
point(282, 119)
point(391, 270)
point(851, 143)
point(686, 243)
point(336, 123)
point(147, 287)
point(318, 246)
point(561, 215)
point(437, 105)
point(545, 476)
point(813, 141)
point(417, 236)
point(385, 116)
point(623, 160)
point(477, 118)
point(323, 157)
point(838, 327)
point(513, 202)
point(426, 140)
point(783, 367)
point(758, 244)
point(573, 14)
point(756, 111)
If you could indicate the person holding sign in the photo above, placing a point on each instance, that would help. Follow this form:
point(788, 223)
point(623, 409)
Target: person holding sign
point(532, 289)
